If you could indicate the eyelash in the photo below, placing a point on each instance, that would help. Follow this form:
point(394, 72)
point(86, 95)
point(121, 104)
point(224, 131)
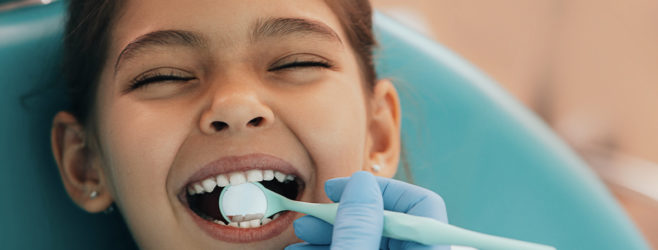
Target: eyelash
point(159, 77)
point(302, 64)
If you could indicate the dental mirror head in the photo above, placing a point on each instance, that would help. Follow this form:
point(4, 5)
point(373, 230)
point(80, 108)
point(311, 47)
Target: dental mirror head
point(243, 202)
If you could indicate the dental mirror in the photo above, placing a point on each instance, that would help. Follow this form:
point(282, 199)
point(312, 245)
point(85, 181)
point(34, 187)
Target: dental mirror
point(243, 202)
point(251, 201)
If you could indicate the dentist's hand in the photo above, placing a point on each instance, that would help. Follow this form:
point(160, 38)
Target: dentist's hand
point(359, 220)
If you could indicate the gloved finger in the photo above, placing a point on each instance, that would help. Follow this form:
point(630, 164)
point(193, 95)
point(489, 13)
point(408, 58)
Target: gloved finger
point(313, 230)
point(306, 246)
point(334, 187)
point(398, 196)
point(411, 199)
point(359, 218)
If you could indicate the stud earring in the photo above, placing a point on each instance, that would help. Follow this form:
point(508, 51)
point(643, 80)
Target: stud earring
point(376, 168)
point(93, 194)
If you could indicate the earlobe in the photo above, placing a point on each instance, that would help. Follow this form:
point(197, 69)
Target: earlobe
point(383, 144)
point(80, 172)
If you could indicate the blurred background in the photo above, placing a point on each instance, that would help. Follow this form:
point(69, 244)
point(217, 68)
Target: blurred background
point(589, 68)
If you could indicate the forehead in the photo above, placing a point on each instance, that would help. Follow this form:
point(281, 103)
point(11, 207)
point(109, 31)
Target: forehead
point(221, 21)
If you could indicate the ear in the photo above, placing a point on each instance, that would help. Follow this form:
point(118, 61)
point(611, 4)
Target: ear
point(78, 167)
point(383, 142)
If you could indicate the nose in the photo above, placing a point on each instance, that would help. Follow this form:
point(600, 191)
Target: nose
point(236, 110)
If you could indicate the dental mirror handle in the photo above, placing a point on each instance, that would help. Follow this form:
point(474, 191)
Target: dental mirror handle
point(419, 229)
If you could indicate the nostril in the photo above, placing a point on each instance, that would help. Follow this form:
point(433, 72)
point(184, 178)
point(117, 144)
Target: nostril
point(219, 126)
point(255, 122)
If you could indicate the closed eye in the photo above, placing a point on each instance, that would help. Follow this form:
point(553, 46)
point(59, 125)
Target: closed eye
point(301, 64)
point(157, 77)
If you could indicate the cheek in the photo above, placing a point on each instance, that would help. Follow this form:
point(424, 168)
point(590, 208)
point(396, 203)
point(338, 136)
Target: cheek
point(139, 144)
point(332, 127)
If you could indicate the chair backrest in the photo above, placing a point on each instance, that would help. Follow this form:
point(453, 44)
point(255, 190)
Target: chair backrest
point(36, 213)
point(499, 168)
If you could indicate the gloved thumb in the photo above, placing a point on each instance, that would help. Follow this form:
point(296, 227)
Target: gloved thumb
point(359, 219)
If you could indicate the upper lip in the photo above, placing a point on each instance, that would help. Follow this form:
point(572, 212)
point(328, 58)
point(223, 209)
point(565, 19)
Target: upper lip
point(230, 164)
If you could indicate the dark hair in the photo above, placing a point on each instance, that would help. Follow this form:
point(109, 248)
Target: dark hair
point(85, 51)
point(356, 20)
point(88, 33)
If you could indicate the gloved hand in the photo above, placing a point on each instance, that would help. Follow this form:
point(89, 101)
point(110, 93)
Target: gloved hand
point(359, 219)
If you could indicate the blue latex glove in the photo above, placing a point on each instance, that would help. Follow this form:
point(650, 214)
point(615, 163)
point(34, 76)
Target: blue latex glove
point(359, 219)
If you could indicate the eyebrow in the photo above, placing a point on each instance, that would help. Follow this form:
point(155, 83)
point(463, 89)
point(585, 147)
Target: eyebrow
point(272, 27)
point(160, 38)
point(263, 28)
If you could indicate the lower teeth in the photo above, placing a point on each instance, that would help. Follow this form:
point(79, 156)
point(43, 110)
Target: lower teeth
point(249, 223)
point(245, 223)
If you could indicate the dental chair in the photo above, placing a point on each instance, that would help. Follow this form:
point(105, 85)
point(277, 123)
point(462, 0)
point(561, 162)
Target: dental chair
point(500, 170)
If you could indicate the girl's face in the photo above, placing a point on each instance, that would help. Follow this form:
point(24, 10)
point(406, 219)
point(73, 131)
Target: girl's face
point(195, 90)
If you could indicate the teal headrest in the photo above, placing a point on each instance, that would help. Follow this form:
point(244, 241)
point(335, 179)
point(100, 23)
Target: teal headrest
point(36, 213)
point(498, 167)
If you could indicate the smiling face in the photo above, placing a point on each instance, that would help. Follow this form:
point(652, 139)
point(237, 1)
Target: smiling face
point(195, 96)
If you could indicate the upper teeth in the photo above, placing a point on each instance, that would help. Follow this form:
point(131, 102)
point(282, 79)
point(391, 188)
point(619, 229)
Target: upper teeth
point(236, 178)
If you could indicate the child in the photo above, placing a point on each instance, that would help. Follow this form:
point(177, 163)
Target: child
point(172, 100)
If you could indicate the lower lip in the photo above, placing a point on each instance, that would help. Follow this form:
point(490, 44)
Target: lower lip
point(244, 235)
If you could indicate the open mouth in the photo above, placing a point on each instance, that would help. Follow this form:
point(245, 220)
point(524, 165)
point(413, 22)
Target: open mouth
point(203, 196)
